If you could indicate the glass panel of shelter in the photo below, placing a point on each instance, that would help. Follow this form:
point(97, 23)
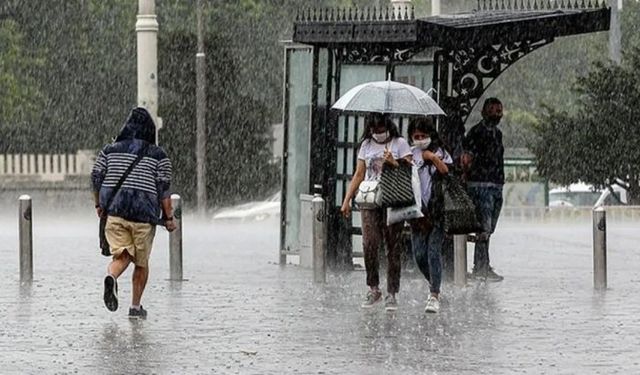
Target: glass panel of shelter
point(299, 60)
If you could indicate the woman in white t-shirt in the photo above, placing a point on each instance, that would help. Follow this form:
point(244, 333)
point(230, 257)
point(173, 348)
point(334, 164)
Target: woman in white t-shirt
point(381, 144)
point(427, 233)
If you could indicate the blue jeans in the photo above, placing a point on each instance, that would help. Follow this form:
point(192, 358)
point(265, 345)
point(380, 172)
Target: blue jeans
point(426, 248)
point(488, 201)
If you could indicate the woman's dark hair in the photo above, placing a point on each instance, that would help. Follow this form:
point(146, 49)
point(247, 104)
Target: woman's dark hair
point(373, 119)
point(425, 125)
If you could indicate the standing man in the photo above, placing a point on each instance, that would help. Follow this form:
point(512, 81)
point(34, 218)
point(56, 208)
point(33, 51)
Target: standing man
point(131, 179)
point(483, 166)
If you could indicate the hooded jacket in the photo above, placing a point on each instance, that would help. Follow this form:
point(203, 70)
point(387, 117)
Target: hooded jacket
point(147, 184)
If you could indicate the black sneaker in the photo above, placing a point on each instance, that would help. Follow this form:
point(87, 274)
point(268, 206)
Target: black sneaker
point(487, 275)
point(137, 313)
point(110, 293)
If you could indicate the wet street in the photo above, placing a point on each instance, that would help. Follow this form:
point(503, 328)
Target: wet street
point(241, 313)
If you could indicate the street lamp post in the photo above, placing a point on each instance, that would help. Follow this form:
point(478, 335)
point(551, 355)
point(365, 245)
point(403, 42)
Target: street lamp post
point(201, 108)
point(615, 34)
point(147, 49)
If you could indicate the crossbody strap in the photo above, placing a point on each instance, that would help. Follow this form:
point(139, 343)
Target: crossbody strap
point(124, 177)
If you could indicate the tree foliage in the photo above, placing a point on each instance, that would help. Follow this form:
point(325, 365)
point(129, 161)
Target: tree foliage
point(598, 144)
point(596, 139)
point(20, 94)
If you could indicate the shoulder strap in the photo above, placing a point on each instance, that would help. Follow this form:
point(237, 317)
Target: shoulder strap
point(141, 155)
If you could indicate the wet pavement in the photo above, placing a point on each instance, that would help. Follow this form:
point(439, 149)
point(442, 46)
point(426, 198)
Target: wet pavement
point(241, 313)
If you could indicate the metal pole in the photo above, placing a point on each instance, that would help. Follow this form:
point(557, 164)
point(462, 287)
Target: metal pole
point(175, 240)
point(201, 113)
point(460, 259)
point(25, 233)
point(147, 40)
point(319, 243)
point(599, 248)
point(615, 34)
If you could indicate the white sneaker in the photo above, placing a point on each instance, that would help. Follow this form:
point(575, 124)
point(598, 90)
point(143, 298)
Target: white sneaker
point(390, 303)
point(433, 305)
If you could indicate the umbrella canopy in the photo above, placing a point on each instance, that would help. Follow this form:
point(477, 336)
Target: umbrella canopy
point(388, 97)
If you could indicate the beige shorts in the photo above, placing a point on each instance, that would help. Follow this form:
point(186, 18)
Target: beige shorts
point(135, 238)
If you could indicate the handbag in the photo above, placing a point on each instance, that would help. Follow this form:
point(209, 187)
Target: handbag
point(104, 244)
point(458, 210)
point(368, 195)
point(396, 215)
point(396, 187)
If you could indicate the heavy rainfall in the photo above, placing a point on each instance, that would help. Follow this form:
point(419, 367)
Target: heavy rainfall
point(258, 266)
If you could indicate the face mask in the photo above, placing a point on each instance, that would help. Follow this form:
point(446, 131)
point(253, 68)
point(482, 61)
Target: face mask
point(493, 120)
point(380, 137)
point(422, 144)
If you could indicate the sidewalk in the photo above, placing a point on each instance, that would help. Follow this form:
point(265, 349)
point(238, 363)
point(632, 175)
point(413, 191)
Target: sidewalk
point(241, 313)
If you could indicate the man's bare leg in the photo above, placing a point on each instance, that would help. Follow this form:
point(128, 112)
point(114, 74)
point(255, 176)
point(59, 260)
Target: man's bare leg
point(119, 264)
point(114, 270)
point(139, 281)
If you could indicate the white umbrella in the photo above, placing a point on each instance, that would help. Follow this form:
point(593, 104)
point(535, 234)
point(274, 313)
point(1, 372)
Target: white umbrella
point(388, 97)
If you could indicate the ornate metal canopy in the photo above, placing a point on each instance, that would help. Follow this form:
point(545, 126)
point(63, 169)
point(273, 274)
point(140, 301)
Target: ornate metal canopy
point(473, 48)
point(494, 21)
point(470, 50)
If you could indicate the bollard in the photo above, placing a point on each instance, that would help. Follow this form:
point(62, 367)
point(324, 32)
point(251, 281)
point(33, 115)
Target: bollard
point(175, 240)
point(25, 233)
point(599, 248)
point(460, 259)
point(318, 245)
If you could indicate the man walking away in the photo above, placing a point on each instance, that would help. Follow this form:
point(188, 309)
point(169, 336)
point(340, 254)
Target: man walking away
point(483, 167)
point(132, 204)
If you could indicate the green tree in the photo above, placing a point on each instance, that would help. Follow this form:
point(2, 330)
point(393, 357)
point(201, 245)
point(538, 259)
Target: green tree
point(599, 143)
point(595, 138)
point(20, 95)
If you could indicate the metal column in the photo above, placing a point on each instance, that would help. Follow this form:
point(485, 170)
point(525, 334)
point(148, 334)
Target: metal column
point(460, 259)
point(25, 230)
point(175, 240)
point(318, 246)
point(599, 248)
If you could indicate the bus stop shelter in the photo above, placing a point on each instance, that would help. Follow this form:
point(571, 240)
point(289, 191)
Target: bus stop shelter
point(458, 55)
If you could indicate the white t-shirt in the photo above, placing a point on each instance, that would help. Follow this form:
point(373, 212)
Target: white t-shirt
point(426, 172)
point(373, 155)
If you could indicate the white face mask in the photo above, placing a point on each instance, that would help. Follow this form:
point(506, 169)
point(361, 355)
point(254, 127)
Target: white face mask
point(380, 137)
point(423, 143)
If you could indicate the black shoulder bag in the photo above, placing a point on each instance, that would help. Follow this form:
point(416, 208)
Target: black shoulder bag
point(104, 245)
point(395, 182)
point(451, 205)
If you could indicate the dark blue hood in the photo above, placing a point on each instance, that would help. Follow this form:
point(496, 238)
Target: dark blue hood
point(139, 125)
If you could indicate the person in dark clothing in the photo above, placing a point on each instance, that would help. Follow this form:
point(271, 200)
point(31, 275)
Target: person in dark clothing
point(136, 207)
point(483, 167)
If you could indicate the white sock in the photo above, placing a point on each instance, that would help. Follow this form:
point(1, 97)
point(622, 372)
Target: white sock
point(137, 307)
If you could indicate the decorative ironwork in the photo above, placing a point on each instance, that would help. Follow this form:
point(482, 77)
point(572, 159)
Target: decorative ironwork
point(493, 5)
point(356, 14)
point(376, 53)
point(473, 70)
point(465, 75)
